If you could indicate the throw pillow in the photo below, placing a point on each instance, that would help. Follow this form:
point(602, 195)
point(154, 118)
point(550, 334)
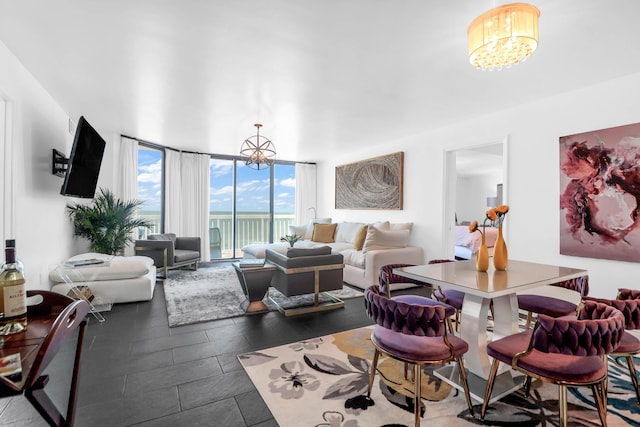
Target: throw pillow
point(347, 231)
point(401, 226)
point(298, 230)
point(324, 233)
point(309, 233)
point(360, 237)
point(298, 252)
point(382, 239)
point(382, 225)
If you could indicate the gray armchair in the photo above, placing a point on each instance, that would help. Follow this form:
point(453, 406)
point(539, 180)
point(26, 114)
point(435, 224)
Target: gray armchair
point(307, 271)
point(169, 251)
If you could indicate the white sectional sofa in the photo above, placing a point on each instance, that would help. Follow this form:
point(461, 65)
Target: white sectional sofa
point(365, 247)
point(119, 279)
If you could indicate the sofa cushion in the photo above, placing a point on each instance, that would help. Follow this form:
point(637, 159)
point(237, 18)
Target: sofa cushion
point(298, 252)
point(324, 233)
point(309, 233)
point(358, 242)
point(382, 225)
point(401, 226)
point(354, 257)
point(298, 230)
point(383, 239)
point(347, 231)
point(182, 255)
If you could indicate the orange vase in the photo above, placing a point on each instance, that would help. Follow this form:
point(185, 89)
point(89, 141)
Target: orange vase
point(482, 257)
point(500, 254)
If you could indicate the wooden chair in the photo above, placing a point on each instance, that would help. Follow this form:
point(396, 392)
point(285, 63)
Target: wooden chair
point(70, 320)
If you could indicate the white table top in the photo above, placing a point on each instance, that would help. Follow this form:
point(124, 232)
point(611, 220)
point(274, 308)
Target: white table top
point(463, 276)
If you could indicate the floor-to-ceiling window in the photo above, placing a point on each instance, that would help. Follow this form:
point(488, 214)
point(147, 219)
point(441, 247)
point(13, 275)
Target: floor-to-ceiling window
point(245, 205)
point(150, 178)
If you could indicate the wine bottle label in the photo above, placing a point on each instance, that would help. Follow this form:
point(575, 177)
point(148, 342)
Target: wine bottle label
point(15, 300)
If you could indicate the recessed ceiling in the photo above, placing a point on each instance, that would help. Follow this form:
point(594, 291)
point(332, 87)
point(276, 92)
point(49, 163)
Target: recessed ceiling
point(320, 75)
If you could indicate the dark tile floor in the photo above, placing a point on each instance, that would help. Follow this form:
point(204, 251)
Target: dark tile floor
point(138, 371)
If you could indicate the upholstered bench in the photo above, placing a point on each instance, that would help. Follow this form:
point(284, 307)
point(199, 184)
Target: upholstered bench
point(117, 280)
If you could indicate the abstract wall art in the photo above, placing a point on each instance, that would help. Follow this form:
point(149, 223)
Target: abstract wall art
point(371, 184)
point(600, 193)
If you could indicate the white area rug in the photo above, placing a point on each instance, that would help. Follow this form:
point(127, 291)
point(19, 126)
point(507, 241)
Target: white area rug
point(322, 381)
point(212, 293)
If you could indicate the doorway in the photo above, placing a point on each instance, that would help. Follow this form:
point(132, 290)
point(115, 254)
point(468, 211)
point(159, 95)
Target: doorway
point(475, 179)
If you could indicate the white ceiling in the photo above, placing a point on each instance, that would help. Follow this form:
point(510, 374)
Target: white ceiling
point(320, 75)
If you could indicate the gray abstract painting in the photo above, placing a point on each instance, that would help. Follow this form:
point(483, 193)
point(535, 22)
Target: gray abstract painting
point(371, 184)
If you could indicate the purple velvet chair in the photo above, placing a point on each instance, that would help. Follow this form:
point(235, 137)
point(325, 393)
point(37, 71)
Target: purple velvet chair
point(452, 297)
point(386, 278)
point(629, 345)
point(411, 329)
point(564, 351)
point(553, 307)
point(625, 294)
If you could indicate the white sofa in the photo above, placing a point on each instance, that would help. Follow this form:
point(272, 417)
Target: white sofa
point(118, 280)
point(365, 247)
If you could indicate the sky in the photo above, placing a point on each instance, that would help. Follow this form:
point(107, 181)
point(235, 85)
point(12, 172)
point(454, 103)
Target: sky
point(252, 185)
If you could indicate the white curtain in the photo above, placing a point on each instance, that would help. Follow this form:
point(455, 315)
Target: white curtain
point(128, 189)
point(305, 192)
point(172, 193)
point(195, 199)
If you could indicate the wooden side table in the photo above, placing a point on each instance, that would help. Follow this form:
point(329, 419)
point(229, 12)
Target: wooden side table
point(255, 282)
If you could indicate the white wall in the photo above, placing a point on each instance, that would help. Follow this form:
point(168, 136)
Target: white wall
point(41, 226)
point(532, 224)
point(472, 193)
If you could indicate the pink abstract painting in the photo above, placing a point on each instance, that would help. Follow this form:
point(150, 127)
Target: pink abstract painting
point(600, 193)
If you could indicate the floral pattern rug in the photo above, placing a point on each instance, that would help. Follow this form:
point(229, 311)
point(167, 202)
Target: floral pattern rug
point(212, 293)
point(323, 381)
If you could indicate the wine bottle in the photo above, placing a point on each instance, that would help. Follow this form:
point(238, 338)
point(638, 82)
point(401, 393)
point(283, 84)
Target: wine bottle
point(11, 243)
point(13, 297)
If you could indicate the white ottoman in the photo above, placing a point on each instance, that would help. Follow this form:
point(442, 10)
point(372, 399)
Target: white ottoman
point(119, 279)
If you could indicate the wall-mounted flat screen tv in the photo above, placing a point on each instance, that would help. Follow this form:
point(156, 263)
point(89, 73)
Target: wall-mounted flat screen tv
point(84, 162)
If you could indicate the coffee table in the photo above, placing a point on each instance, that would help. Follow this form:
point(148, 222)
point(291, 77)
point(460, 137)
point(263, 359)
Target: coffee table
point(255, 282)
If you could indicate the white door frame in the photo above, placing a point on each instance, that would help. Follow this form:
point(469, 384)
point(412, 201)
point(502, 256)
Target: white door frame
point(449, 190)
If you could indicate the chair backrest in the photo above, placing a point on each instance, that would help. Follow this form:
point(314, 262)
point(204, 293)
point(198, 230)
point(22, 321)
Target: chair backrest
point(410, 319)
point(630, 309)
point(625, 294)
point(65, 324)
point(163, 236)
point(596, 331)
point(577, 284)
point(386, 276)
point(214, 237)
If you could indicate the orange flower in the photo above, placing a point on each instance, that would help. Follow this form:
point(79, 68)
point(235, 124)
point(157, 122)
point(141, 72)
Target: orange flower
point(502, 210)
point(492, 214)
point(473, 227)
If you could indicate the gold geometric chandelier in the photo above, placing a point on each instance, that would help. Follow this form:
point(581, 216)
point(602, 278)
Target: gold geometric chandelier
point(258, 152)
point(503, 36)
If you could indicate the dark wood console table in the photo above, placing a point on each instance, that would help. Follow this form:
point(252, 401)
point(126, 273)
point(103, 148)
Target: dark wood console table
point(50, 324)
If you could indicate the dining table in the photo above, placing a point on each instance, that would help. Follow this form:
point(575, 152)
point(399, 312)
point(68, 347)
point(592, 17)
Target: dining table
point(484, 292)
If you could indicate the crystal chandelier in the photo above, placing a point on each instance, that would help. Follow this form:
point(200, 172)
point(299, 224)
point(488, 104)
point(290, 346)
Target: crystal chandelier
point(503, 36)
point(257, 151)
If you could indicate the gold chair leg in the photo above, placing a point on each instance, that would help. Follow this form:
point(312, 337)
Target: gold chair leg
point(634, 375)
point(465, 384)
point(529, 318)
point(417, 373)
point(489, 390)
point(600, 397)
point(562, 403)
point(374, 365)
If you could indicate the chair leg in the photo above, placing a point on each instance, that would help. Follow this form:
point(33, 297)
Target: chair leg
point(634, 375)
point(374, 365)
point(417, 374)
point(562, 403)
point(600, 397)
point(489, 390)
point(529, 318)
point(527, 386)
point(465, 384)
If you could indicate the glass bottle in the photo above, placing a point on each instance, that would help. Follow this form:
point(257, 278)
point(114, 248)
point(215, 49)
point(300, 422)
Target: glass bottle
point(11, 243)
point(13, 296)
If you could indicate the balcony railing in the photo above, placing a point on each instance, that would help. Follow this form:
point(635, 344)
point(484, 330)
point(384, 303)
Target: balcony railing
point(250, 228)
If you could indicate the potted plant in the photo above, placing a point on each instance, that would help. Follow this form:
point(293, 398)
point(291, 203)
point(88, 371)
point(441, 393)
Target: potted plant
point(107, 222)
